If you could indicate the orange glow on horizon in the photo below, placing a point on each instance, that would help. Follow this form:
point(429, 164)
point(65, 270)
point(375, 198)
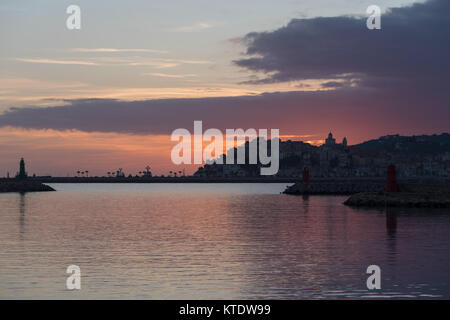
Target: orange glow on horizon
point(62, 153)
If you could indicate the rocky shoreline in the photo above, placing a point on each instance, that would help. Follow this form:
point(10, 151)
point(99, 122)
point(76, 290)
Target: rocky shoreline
point(372, 194)
point(409, 195)
point(23, 186)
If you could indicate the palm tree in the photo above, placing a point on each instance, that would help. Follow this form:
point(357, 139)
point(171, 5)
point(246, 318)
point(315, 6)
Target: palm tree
point(109, 174)
point(87, 173)
point(170, 173)
point(78, 173)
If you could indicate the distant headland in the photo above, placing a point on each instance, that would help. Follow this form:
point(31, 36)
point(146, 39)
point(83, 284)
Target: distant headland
point(415, 157)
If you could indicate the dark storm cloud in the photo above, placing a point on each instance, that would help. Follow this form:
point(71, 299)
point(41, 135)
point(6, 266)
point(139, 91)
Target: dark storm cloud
point(412, 45)
point(360, 113)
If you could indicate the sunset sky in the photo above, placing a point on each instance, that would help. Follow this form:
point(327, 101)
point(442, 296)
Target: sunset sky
point(110, 94)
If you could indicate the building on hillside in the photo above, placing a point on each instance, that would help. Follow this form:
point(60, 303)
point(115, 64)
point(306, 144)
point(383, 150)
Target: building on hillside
point(330, 141)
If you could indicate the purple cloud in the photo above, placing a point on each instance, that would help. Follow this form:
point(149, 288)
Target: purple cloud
point(411, 49)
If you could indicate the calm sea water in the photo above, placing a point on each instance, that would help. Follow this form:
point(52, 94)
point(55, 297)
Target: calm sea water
point(215, 241)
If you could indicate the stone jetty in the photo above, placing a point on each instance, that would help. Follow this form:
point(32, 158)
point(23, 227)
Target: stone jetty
point(22, 186)
point(409, 195)
point(336, 187)
point(379, 193)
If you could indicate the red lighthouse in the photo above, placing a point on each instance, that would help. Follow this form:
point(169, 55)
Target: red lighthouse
point(391, 179)
point(305, 175)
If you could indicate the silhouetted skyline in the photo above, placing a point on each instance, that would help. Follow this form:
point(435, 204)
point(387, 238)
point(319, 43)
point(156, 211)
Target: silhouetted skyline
point(69, 104)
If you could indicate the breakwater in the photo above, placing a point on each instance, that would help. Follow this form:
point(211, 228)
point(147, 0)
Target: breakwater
point(349, 186)
point(189, 179)
point(336, 187)
point(22, 186)
point(420, 195)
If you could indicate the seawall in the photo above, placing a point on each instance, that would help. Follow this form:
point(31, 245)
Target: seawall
point(421, 195)
point(22, 186)
point(336, 187)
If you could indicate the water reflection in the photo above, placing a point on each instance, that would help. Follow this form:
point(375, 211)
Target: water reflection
point(391, 228)
point(391, 223)
point(22, 207)
point(216, 241)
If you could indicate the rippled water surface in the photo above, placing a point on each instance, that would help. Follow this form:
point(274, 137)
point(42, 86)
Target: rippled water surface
point(215, 241)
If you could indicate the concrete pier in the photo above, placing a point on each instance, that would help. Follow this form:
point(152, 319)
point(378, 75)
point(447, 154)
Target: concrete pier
point(22, 186)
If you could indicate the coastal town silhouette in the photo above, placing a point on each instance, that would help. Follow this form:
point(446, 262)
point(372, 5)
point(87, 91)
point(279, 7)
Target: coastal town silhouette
point(414, 157)
point(331, 168)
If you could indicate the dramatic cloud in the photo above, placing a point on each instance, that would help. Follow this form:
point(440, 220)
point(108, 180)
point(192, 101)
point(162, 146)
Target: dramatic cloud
point(393, 80)
point(355, 112)
point(411, 49)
